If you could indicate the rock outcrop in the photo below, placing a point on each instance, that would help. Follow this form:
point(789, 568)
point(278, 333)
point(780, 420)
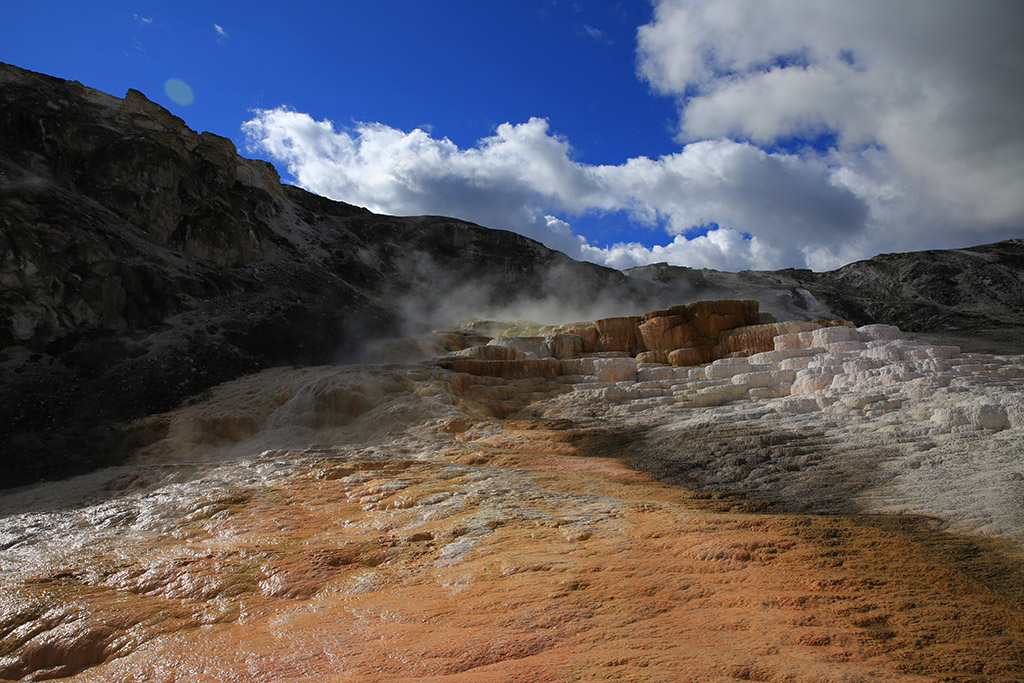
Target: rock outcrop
point(144, 263)
point(684, 335)
point(751, 339)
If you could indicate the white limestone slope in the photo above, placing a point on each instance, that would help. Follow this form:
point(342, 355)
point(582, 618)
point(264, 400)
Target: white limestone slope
point(837, 420)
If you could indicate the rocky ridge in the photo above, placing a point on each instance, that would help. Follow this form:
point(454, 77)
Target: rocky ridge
point(144, 263)
point(971, 295)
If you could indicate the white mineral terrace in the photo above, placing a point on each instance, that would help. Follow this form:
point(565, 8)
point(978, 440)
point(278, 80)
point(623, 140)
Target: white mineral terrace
point(924, 428)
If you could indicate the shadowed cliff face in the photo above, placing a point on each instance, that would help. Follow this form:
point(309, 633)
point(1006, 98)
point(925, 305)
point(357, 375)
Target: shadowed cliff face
point(145, 262)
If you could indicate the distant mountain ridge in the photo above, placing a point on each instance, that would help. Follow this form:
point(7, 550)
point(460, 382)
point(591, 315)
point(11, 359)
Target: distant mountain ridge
point(969, 291)
point(145, 263)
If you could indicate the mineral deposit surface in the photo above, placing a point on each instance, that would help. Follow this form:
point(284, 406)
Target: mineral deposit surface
point(843, 507)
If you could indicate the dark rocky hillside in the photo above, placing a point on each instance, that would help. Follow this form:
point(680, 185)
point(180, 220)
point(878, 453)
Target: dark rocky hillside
point(972, 296)
point(963, 291)
point(144, 263)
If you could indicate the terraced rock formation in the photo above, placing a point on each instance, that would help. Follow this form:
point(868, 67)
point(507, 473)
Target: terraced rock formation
point(845, 506)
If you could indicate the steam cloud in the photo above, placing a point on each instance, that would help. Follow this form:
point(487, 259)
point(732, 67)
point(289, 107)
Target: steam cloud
point(434, 295)
point(920, 100)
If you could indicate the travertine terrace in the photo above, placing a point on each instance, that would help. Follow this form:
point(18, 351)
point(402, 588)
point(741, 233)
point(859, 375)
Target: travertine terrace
point(842, 506)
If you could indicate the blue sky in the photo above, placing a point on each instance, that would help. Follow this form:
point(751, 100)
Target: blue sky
point(727, 134)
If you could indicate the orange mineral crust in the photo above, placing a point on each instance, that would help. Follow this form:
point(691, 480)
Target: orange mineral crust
point(513, 556)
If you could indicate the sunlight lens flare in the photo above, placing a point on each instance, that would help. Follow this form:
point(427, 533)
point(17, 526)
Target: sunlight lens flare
point(179, 91)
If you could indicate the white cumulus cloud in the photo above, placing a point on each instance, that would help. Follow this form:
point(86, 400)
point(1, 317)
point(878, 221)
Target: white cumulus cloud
point(924, 96)
point(521, 176)
point(922, 99)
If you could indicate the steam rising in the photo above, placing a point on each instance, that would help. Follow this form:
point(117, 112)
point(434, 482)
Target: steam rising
point(438, 297)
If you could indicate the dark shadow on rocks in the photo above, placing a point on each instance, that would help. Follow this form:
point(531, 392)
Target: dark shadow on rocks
point(793, 471)
point(994, 562)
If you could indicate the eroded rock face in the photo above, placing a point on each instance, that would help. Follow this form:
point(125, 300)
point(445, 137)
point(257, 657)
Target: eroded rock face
point(667, 332)
point(563, 345)
point(618, 334)
point(690, 334)
point(752, 339)
point(144, 263)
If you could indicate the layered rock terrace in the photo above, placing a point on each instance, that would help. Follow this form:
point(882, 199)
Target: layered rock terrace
point(785, 515)
point(613, 349)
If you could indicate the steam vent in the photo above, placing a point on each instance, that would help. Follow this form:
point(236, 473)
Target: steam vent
point(251, 434)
